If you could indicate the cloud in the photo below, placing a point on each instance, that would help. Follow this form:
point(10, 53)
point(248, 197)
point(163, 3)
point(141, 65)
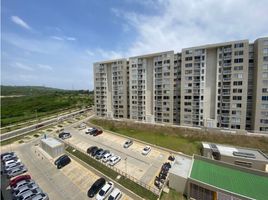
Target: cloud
point(176, 24)
point(90, 53)
point(107, 54)
point(70, 38)
point(62, 38)
point(20, 22)
point(45, 67)
point(23, 66)
point(57, 38)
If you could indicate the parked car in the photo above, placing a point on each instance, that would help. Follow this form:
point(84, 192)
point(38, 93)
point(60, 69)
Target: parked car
point(92, 131)
point(106, 157)
point(4, 156)
point(22, 183)
point(11, 162)
point(113, 160)
point(98, 132)
point(105, 191)
point(22, 190)
point(17, 171)
point(128, 143)
point(12, 166)
point(115, 195)
point(63, 161)
point(41, 196)
point(59, 158)
point(94, 151)
point(10, 158)
point(97, 152)
point(146, 150)
point(100, 154)
point(83, 125)
point(91, 149)
point(65, 135)
point(28, 194)
point(14, 181)
point(94, 189)
point(89, 130)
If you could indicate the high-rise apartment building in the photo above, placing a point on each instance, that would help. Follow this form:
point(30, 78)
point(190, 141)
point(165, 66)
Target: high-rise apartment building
point(221, 85)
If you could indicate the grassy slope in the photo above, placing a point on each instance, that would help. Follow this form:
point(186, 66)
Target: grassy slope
point(179, 139)
point(43, 100)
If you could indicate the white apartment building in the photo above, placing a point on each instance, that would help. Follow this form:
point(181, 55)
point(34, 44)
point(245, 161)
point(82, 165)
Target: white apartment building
point(221, 85)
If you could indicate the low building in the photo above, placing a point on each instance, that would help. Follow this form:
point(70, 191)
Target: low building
point(211, 179)
point(179, 172)
point(52, 146)
point(245, 157)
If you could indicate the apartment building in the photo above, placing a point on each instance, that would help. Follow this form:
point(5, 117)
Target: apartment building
point(111, 88)
point(151, 87)
point(222, 85)
point(260, 92)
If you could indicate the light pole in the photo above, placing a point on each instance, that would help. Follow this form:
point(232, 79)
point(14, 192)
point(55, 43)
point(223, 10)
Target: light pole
point(126, 165)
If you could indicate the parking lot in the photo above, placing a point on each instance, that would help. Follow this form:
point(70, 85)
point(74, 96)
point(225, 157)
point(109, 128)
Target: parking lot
point(142, 167)
point(70, 182)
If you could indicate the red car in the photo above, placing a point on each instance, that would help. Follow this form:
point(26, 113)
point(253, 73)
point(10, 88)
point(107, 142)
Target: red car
point(18, 179)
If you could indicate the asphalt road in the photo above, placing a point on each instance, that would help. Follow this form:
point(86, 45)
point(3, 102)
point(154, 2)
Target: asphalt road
point(37, 126)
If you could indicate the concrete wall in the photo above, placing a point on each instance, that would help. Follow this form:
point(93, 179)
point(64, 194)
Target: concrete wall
point(53, 151)
point(177, 183)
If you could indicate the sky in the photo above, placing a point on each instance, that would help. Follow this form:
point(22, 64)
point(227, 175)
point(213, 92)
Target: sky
point(55, 43)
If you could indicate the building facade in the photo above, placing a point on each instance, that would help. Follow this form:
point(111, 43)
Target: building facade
point(221, 85)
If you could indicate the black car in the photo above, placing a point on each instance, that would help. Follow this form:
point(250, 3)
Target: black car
point(63, 161)
point(93, 131)
point(100, 154)
point(90, 149)
point(59, 158)
point(97, 152)
point(65, 135)
point(94, 189)
point(94, 151)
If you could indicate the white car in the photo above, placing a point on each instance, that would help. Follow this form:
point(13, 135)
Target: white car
point(88, 130)
point(115, 195)
point(113, 160)
point(22, 183)
point(107, 157)
point(146, 150)
point(11, 162)
point(105, 191)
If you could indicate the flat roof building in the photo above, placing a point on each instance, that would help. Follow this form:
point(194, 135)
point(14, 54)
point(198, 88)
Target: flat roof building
point(245, 157)
point(211, 179)
point(52, 146)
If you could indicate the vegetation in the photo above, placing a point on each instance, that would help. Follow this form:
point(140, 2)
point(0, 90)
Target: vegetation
point(139, 190)
point(37, 102)
point(172, 195)
point(179, 139)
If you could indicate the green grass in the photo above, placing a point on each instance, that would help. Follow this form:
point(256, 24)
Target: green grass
point(38, 102)
point(172, 195)
point(136, 188)
point(179, 139)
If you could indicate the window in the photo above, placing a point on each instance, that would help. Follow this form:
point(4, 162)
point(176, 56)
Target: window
point(238, 53)
point(265, 42)
point(237, 98)
point(237, 83)
point(265, 90)
point(236, 68)
point(265, 67)
point(264, 98)
point(239, 45)
point(188, 65)
point(264, 121)
point(265, 75)
point(238, 60)
point(265, 51)
point(238, 75)
point(188, 58)
point(265, 58)
point(243, 163)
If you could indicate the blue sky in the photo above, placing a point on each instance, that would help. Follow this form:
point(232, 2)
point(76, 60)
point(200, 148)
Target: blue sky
point(54, 43)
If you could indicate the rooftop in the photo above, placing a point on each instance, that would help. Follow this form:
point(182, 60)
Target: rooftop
point(181, 166)
point(230, 178)
point(229, 151)
point(51, 142)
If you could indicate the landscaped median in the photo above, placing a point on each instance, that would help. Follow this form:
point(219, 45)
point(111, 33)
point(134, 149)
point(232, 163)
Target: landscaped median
point(124, 181)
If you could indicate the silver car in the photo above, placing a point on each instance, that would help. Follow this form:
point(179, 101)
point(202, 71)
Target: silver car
point(23, 189)
point(42, 196)
point(13, 166)
point(29, 194)
point(17, 171)
point(22, 183)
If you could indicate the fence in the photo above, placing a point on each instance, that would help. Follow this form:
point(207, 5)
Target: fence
point(122, 173)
